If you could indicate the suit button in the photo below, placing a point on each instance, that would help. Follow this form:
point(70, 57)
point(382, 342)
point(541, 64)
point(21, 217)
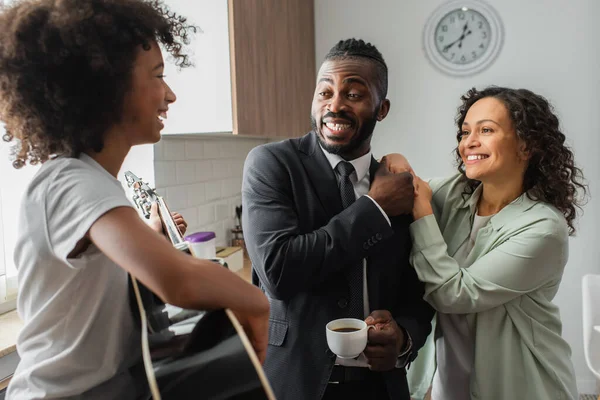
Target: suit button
point(369, 242)
point(366, 246)
point(343, 303)
point(378, 236)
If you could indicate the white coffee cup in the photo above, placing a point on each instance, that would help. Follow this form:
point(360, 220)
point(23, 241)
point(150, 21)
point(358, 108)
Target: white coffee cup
point(350, 343)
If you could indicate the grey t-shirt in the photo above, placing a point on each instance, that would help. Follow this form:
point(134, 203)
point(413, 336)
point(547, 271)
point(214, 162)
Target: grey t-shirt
point(455, 348)
point(79, 338)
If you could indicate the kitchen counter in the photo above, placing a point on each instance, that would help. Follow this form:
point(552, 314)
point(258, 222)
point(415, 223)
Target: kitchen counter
point(11, 326)
point(246, 271)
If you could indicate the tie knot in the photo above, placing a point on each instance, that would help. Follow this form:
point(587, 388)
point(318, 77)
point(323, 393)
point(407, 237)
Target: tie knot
point(344, 168)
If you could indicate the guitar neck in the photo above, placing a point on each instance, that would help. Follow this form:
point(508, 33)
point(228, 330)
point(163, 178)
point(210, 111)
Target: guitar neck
point(170, 226)
point(144, 197)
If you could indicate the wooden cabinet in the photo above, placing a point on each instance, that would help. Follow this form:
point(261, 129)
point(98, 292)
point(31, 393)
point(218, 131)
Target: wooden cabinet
point(254, 68)
point(273, 66)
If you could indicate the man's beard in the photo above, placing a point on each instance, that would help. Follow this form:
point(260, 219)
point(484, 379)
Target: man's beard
point(363, 135)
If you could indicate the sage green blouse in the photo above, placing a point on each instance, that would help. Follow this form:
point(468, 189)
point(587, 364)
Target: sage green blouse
point(506, 287)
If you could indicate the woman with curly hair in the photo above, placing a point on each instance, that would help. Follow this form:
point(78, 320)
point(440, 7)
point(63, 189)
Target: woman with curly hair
point(81, 82)
point(491, 244)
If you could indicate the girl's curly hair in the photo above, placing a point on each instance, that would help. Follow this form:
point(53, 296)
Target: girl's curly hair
point(551, 174)
point(65, 66)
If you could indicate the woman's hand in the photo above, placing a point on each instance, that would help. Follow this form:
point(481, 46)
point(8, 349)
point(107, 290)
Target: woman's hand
point(180, 222)
point(256, 327)
point(423, 195)
point(397, 163)
point(156, 224)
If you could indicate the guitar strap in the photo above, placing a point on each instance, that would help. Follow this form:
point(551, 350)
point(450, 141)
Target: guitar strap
point(145, 347)
point(143, 198)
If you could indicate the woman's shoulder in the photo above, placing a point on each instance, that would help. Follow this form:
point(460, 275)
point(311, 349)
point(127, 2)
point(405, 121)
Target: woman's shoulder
point(61, 175)
point(48, 172)
point(62, 165)
point(449, 188)
point(540, 217)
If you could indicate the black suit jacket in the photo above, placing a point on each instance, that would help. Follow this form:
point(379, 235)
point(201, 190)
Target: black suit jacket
point(300, 241)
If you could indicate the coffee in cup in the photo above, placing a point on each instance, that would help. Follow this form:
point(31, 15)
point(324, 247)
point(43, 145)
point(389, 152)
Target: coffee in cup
point(346, 329)
point(347, 337)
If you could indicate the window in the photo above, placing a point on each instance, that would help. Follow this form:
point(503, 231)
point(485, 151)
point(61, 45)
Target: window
point(13, 183)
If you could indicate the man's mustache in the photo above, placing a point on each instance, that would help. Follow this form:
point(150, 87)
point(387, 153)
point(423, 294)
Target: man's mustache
point(338, 115)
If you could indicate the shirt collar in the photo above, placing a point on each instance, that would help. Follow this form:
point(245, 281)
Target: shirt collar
point(361, 164)
point(509, 212)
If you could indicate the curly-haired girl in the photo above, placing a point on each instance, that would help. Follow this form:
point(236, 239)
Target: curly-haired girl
point(81, 82)
point(491, 244)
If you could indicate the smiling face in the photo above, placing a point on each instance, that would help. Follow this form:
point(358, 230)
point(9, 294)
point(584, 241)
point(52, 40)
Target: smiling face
point(346, 106)
point(147, 102)
point(489, 147)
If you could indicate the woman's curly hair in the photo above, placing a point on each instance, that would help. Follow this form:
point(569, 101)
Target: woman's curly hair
point(551, 175)
point(65, 66)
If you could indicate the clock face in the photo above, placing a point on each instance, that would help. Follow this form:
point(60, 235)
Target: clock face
point(462, 36)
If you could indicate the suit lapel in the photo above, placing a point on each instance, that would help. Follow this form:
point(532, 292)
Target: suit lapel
point(320, 174)
point(372, 169)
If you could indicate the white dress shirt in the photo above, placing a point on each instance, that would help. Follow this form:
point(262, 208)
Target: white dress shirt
point(361, 182)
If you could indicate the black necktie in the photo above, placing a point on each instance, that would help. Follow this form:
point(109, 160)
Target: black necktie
point(345, 169)
point(355, 272)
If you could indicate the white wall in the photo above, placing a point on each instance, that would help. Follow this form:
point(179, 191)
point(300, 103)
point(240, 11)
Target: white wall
point(550, 47)
point(201, 178)
point(204, 90)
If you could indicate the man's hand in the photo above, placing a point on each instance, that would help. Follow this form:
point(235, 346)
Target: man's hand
point(386, 340)
point(393, 192)
point(397, 163)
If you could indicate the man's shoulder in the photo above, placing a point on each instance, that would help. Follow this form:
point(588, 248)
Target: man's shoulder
point(282, 150)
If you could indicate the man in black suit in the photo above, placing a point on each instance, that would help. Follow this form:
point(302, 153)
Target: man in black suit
point(326, 228)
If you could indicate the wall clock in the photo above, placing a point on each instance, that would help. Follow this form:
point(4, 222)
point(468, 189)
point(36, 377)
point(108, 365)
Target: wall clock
point(463, 37)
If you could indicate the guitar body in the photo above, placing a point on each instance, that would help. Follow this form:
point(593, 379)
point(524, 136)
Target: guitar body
point(214, 359)
point(214, 364)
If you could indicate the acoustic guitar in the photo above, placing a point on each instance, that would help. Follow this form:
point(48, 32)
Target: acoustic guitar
point(191, 354)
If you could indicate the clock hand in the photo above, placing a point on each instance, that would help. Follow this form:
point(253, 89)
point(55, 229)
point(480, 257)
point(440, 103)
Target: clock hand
point(447, 47)
point(460, 39)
